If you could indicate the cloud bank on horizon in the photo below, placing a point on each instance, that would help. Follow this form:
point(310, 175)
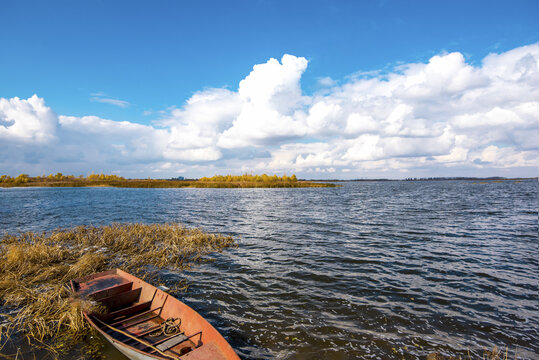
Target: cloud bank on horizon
point(441, 118)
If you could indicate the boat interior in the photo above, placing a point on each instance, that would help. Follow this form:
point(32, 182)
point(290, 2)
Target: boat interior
point(143, 317)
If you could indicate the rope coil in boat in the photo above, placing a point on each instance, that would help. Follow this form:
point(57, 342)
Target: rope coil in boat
point(169, 327)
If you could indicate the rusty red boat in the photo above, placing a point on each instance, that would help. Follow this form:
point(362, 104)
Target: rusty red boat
point(144, 322)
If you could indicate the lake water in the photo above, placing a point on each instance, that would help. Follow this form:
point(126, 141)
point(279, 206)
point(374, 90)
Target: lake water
point(369, 270)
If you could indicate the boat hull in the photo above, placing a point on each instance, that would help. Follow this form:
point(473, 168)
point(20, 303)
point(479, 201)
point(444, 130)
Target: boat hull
point(135, 317)
point(128, 352)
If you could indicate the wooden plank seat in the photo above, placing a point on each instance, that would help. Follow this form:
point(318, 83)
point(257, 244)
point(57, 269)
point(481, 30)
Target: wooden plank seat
point(129, 312)
point(115, 302)
point(165, 339)
point(138, 322)
point(111, 291)
point(141, 306)
point(171, 342)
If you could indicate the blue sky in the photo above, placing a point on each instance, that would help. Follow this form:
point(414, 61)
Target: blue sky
point(136, 61)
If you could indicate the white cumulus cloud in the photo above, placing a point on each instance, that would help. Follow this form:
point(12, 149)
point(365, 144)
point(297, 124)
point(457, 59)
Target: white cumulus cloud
point(441, 117)
point(271, 105)
point(27, 120)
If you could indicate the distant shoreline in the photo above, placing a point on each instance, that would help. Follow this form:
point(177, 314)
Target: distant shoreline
point(496, 178)
point(102, 180)
point(164, 184)
point(209, 183)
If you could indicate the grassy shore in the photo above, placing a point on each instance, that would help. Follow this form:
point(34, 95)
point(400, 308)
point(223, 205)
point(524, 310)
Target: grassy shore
point(218, 181)
point(35, 268)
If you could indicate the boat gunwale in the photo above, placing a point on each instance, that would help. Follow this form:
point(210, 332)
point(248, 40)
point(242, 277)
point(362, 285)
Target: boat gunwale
point(75, 283)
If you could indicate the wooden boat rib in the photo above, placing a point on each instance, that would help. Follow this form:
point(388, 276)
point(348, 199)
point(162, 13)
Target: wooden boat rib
point(144, 322)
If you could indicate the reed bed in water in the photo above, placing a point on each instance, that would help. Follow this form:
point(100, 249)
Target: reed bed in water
point(102, 180)
point(35, 268)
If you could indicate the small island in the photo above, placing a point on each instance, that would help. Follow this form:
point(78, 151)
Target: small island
point(103, 180)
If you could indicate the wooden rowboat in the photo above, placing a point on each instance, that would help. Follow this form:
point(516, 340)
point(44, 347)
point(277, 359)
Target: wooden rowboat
point(144, 322)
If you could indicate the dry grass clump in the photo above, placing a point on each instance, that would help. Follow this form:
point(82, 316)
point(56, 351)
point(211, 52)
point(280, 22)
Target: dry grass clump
point(35, 268)
point(494, 354)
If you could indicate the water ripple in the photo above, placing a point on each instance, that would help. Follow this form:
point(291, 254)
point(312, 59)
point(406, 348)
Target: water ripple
point(373, 270)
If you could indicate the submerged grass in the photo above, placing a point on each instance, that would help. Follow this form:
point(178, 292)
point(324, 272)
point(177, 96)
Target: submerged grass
point(494, 354)
point(35, 268)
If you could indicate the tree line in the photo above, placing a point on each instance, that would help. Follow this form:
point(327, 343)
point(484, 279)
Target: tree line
point(250, 178)
point(24, 178)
